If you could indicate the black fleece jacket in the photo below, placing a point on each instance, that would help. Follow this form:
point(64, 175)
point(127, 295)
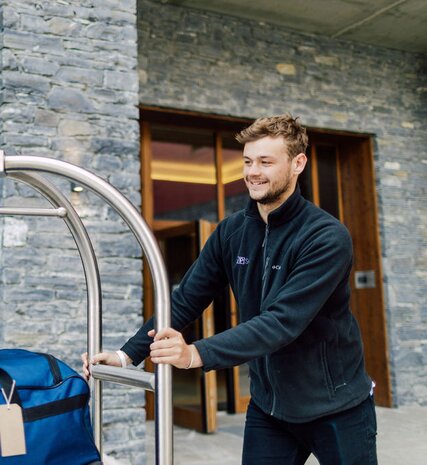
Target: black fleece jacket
point(290, 278)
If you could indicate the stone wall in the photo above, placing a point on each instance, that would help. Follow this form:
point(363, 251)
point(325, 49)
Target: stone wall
point(213, 63)
point(1, 145)
point(70, 91)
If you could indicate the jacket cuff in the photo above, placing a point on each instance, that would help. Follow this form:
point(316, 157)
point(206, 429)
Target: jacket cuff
point(204, 354)
point(135, 356)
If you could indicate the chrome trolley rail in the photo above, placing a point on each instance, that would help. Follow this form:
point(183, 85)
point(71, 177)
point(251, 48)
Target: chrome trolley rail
point(23, 169)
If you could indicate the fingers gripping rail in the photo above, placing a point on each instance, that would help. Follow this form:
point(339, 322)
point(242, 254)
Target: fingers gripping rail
point(23, 169)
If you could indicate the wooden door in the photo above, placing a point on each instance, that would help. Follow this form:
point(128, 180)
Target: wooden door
point(340, 179)
point(359, 210)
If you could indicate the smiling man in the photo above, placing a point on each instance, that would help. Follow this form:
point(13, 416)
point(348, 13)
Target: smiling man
point(270, 167)
point(288, 263)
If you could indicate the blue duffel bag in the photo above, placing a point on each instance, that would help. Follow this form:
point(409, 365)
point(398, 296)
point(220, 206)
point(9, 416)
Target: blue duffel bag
point(54, 400)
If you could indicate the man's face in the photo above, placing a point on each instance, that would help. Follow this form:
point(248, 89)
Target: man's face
point(268, 171)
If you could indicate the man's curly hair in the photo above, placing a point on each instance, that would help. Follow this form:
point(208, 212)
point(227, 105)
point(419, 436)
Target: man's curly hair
point(285, 126)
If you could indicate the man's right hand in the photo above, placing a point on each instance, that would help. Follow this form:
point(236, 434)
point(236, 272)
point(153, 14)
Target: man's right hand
point(105, 358)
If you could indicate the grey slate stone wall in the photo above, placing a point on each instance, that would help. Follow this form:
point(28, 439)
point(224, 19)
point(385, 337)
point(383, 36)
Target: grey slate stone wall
point(1, 144)
point(70, 91)
point(218, 64)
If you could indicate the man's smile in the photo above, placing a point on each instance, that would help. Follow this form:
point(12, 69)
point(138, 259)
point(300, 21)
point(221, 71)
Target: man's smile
point(256, 182)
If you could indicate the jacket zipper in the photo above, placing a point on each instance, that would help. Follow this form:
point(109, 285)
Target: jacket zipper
point(266, 260)
point(264, 280)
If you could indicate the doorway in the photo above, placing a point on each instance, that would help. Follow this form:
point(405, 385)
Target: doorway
point(191, 179)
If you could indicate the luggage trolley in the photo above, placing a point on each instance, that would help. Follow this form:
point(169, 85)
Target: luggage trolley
point(24, 169)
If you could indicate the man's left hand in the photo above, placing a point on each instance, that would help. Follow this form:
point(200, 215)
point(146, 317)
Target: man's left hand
point(170, 347)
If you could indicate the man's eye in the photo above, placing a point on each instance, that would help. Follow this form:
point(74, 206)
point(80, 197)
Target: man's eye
point(266, 163)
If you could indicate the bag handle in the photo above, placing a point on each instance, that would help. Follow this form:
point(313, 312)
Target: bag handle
point(6, 383)
point(53, 366)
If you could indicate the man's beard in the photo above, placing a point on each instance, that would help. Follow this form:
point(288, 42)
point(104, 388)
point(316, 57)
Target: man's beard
point(274, 196)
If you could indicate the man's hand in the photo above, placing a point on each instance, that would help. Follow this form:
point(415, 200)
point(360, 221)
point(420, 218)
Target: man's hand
point(105, 358)
point(169, 347)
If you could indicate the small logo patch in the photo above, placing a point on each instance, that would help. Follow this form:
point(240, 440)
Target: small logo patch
point(276, 267)
point(242, 261)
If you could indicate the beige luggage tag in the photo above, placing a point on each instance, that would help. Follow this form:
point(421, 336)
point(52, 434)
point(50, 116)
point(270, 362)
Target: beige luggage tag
point(12, 436)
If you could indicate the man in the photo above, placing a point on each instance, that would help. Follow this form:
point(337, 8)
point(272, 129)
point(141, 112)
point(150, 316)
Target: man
point(288, 264)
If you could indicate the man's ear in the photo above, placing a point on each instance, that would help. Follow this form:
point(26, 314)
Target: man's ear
point(299, 163)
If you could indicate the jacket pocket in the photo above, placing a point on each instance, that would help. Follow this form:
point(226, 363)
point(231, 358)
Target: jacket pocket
point(326, 370)
point(332, 368)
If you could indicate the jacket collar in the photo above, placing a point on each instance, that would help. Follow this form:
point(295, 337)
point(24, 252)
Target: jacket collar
point(288, 210)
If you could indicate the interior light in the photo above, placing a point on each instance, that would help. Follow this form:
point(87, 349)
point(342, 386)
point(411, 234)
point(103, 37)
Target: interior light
point(75, 187)
point(168, 170)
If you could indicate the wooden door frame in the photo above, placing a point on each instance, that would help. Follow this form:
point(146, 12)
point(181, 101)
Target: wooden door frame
point(209, 381)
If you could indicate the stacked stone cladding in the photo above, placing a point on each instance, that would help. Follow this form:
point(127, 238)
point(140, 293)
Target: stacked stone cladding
point(70, 91)
point(211, 63)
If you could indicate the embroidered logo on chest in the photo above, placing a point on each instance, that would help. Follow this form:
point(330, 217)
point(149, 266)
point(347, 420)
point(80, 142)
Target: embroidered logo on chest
point(242, 260)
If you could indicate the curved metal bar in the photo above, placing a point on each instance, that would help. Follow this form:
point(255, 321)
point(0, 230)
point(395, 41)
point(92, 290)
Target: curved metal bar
point(130, 376)
point(12, 211)
point(91, 273)
point(148, 243)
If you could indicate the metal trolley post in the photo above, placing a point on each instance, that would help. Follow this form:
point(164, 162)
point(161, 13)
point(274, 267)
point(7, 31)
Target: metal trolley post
point(20, 168)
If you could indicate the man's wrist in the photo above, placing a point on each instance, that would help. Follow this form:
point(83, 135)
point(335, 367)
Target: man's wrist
point(197, 361)
point(191, 362)
point(125, 360)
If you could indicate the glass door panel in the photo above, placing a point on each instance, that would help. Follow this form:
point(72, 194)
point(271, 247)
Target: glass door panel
point(235, 192)
point(328, 178)
point(183, 173)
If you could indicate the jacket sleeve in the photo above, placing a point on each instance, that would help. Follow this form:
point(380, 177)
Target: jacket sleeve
point(321, 266)
point(204, 279)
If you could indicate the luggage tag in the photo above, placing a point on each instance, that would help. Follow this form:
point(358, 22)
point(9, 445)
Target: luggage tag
point(12, 436)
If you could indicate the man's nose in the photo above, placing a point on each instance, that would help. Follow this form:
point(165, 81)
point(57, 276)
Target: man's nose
point(253, 170)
